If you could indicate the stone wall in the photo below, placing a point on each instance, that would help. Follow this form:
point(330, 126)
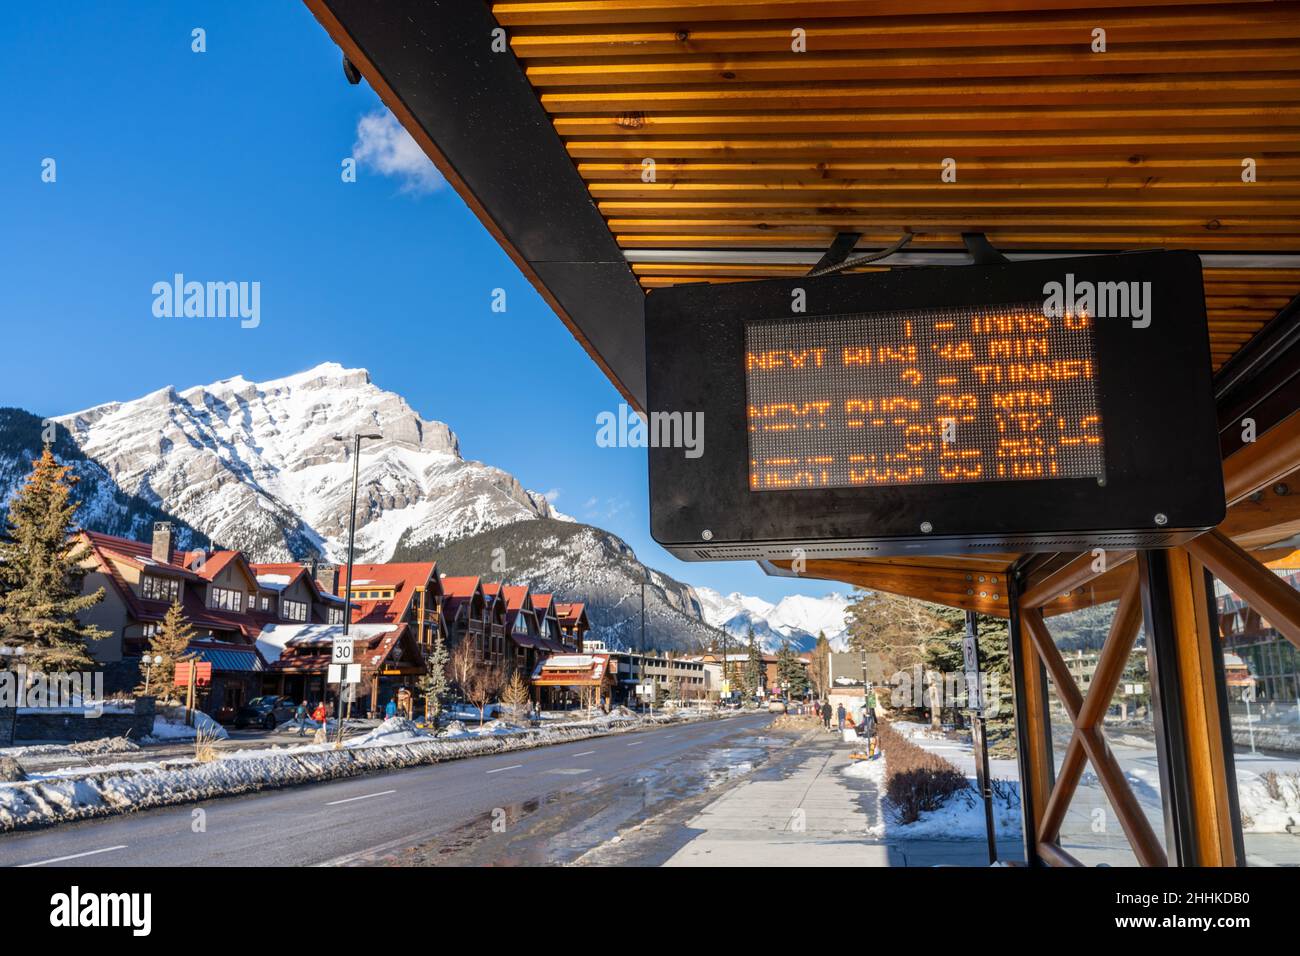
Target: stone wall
point(63, 725)
point(7, 716)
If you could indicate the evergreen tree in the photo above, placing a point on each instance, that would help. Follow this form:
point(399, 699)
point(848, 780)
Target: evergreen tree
point(433, 683)
point(171, 642)
point(41, 574)
point(790, 671)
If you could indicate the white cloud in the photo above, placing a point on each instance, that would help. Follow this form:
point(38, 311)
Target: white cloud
point(386, 147)
point(552, 496)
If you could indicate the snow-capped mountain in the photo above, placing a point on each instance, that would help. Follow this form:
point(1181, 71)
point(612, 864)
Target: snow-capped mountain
point(796, 618)
point(255, 466)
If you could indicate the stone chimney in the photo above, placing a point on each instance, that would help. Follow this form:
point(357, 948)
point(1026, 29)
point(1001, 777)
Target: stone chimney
point(162, 542)
point(326, 575)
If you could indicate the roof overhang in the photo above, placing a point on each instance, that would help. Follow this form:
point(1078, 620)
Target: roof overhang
point(765, 154)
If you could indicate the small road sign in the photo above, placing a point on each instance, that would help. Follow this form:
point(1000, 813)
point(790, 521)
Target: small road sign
point(343, 649)
point(344, 674)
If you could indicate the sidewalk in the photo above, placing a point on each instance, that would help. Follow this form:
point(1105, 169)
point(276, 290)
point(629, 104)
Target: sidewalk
point(803, 811)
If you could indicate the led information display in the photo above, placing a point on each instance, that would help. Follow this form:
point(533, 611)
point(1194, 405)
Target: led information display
point(985, 393)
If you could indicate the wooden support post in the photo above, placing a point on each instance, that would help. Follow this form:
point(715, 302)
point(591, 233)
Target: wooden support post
point(1196, 766)
point(1033, 731)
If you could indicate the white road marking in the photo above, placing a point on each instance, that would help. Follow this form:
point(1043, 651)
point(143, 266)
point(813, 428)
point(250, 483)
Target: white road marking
point(636, 743)
point(670, 737)
point(570, 771)
point(585, 753)
point(75, 856)
point(514, 766)
point(381, 793)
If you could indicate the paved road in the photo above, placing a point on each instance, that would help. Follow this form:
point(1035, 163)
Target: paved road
point(356, 819)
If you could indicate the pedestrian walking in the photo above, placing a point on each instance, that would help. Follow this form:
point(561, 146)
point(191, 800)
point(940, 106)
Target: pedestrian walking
point(300, 715)
point(321, 716)
point(826, 715)
point(839, 715)
point(390, 709)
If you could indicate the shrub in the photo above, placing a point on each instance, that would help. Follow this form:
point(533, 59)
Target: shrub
point(915, 779)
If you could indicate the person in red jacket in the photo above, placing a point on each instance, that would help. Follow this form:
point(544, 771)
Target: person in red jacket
point(321, 714)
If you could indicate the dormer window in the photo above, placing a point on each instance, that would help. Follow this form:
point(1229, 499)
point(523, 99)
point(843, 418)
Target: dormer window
point(227, 599)
point(335, 615)
point(294, 610)
point(160, 589)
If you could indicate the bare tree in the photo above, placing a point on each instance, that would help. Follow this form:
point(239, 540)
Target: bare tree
point(463, 663)
point(483, 684)
point(895, 627)
point(819, 666)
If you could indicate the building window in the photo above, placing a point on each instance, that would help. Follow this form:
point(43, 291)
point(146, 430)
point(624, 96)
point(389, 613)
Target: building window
point(266, 603)
point(228, 600)
point(293, 610)
point(160, 589)
point(336, 615)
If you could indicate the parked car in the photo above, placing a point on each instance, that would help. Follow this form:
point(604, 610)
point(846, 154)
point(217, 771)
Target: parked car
point(266, 712)
point(776, 707)
point(467, 712)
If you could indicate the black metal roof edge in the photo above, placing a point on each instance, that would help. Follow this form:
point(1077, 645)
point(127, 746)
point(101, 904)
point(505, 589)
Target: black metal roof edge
point(1258, 377)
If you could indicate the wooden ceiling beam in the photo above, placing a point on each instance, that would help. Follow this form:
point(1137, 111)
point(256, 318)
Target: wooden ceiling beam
point(910, 32)
point(592, 12)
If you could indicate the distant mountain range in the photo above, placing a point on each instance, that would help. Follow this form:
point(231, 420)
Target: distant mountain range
point(254, 466)
point(796, 619)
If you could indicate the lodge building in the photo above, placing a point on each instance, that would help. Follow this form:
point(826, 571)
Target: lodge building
point(269, 628)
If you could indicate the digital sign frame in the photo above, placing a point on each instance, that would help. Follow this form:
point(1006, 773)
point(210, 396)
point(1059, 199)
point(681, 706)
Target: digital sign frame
point(1154, 478)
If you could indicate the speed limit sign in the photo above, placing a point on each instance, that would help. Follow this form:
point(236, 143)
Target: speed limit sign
point(342, 652)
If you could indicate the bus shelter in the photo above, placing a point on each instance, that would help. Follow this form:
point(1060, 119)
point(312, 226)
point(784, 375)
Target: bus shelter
point(614, 147)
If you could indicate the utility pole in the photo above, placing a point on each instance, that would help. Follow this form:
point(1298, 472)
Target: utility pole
point(352, 540)
point(643, 667)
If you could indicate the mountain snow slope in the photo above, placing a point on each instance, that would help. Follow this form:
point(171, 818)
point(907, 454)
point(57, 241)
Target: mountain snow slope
point(577, 562)
point(796, 618)
point(255, 466)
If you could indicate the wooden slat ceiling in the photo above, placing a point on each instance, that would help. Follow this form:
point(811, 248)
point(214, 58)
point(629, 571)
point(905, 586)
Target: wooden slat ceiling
point(1058, 148)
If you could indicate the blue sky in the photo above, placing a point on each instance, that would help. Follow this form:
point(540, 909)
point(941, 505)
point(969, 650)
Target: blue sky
point(226, 165)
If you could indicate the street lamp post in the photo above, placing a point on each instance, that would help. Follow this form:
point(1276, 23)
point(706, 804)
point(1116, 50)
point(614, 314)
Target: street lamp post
point(149, 665)
point(352, 540)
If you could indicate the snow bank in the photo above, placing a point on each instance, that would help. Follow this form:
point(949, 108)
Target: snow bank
point(171, 727)
point(1263, 811)
point(78, 795)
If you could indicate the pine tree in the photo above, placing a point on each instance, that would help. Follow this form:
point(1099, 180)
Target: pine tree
point(41, 574)
point(171, 642)
point(433, 683)
point(790, 671)
point(515, 696)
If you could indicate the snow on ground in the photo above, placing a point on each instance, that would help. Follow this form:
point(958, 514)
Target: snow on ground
point(78, 793)
point(962, 815)
point(172, 727)
point(1262, 812)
